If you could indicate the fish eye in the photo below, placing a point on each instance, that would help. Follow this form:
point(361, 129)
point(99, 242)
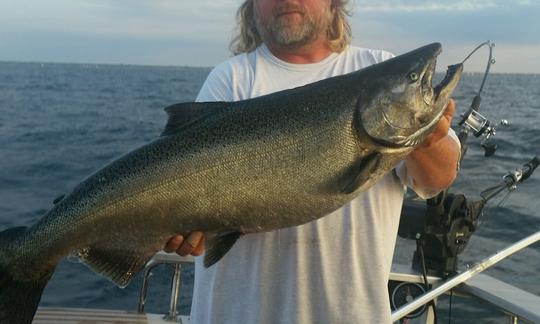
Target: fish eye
point(413, 76)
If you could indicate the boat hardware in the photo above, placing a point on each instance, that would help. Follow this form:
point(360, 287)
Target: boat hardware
point(464, 276)
point(177, 262)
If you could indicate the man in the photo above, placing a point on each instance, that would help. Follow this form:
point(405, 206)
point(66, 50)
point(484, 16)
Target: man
point(335, 269)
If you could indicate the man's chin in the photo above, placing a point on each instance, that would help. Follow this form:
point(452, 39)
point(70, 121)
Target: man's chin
point(292, 35)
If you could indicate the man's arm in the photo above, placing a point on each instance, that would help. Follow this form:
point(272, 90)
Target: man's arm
point(433, 165)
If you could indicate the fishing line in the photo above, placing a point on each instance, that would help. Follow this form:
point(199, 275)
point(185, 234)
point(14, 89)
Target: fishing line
point(503, 200)
point(466, 122)
point(427, 286)
point(450, 306)
point(485, 218)
point(490, 62)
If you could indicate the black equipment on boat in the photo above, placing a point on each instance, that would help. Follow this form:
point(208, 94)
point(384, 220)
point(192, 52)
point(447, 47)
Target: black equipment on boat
point(442, 226)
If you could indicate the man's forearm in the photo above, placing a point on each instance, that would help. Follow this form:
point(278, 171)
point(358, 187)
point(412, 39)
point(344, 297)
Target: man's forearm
point(434, 167)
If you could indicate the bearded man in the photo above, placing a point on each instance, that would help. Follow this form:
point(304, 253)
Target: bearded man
point(335, 269)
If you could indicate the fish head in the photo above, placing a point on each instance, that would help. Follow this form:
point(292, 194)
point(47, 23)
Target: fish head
point(403, 106)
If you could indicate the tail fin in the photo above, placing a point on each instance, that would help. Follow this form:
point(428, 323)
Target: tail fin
point(19, 296)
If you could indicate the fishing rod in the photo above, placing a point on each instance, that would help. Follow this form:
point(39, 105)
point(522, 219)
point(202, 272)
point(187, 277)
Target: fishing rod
point(472, 120)
point(511, 179)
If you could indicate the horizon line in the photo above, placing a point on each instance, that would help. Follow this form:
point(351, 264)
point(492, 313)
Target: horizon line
point(2, 61)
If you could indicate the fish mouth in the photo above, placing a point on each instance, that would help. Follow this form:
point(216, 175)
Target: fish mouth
point(443, 90)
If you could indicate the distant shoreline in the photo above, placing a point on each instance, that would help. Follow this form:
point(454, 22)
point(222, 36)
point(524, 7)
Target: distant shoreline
point(203, 67)
point(108, 64)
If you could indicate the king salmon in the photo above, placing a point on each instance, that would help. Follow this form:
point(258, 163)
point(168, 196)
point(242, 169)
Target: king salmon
point(229, 169)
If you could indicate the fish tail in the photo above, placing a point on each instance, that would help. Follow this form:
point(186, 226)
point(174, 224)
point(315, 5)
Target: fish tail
point(19, 292)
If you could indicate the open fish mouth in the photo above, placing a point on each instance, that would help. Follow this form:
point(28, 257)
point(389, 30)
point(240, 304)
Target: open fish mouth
point(447, 85)
point(432, 94)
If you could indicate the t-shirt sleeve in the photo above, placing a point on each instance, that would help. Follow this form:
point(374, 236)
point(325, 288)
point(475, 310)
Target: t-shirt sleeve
point(217, 86)
point(406, 179)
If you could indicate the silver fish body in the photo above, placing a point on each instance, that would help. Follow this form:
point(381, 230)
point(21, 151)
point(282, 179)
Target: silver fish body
point(232, 168)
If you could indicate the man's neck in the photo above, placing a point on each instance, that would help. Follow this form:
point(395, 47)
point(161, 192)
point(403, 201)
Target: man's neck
point(310, 53)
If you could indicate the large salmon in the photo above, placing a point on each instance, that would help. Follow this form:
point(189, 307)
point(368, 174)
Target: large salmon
point(231, 168)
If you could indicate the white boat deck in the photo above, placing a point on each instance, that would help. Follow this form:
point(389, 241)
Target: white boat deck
point(508, 298)
point(50, 315)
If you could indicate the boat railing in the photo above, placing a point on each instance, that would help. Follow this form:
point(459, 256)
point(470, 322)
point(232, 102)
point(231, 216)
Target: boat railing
point(517, 304)
point(176, 261)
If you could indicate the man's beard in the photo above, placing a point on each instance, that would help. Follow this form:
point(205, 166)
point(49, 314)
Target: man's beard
point(286, 31)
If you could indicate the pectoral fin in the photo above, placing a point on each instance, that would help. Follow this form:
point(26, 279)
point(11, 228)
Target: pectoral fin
point(218, 245)
point(358, 175)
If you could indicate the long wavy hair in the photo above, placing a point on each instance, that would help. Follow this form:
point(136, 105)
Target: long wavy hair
point(247, 37)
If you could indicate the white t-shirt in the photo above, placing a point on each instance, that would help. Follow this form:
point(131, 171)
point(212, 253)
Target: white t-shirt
point(332, 270)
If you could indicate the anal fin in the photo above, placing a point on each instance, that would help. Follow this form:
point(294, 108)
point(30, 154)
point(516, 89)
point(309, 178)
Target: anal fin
point(217, 246)
point(119, 266)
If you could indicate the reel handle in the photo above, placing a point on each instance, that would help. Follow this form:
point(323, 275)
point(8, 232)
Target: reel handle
point(529, 167)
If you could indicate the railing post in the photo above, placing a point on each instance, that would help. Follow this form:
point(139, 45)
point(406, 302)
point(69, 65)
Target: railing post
point(175, 293)
point(513, 319)
point(144, 288)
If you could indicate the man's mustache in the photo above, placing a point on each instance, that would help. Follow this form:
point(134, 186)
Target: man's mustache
point(288, 7)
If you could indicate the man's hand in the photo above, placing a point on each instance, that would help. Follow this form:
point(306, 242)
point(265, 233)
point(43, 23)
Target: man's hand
point(442, 127)
point(433, 164)
point(193, 244)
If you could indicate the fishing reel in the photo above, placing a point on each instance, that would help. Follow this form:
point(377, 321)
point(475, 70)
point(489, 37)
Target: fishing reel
point(472, 120)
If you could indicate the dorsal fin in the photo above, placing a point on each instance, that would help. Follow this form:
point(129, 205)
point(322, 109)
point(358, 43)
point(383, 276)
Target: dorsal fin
point(58, 199)
point(182, 114)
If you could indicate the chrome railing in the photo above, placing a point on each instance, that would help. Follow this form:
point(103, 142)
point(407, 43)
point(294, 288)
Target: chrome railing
point(176, 261)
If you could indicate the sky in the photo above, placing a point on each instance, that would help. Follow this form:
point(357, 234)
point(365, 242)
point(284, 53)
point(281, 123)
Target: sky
point(197, 32)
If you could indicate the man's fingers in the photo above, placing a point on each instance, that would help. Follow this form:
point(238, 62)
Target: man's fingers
point(441, 129)
point(173, 244)
point(191, 242)
point(450, 110)
point(199, 249)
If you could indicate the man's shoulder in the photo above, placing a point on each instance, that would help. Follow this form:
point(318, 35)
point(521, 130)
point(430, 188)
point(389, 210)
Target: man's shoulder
point(368, 55)
point(226, 81)
point(240, 63)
